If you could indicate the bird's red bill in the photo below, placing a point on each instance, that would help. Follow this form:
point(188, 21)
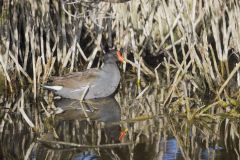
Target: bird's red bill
point(122, 134)
point(120, 57)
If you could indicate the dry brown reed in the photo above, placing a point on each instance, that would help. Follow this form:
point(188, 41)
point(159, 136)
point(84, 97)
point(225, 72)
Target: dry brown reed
point(198, 40)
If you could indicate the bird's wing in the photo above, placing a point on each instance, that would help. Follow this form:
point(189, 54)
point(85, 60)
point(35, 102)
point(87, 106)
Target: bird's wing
point(77, 79)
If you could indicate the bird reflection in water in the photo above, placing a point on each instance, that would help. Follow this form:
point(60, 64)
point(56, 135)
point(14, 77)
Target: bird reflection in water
point(105, 110)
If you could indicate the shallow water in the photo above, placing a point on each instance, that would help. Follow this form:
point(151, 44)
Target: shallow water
point(152, 131)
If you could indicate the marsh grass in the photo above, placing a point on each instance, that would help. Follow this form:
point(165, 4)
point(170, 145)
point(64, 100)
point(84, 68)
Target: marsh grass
point(197, 40)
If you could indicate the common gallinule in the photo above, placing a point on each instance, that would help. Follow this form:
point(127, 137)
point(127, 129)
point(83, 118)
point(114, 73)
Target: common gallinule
point(90, 84)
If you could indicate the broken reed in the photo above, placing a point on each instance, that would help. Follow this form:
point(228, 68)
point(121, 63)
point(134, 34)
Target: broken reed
point(197, 38)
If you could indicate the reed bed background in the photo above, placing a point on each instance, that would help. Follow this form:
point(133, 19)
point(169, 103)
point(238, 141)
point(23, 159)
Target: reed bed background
point(188, 49)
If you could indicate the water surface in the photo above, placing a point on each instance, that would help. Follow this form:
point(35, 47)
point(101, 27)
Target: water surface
point(152, 131)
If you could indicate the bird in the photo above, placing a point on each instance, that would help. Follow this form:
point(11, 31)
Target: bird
point(90, 84)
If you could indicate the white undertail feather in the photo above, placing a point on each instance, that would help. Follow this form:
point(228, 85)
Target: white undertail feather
point(56, 88)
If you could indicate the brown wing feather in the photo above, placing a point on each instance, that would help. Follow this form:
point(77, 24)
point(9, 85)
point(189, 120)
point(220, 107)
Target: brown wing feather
point(77, 79)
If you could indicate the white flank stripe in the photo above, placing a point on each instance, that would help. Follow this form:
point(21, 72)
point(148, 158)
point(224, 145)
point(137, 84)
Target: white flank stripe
point(76, 90)
point(56, 88)
point(82, 88)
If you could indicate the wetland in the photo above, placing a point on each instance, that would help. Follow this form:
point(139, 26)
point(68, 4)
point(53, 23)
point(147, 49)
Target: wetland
point(178, 96)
